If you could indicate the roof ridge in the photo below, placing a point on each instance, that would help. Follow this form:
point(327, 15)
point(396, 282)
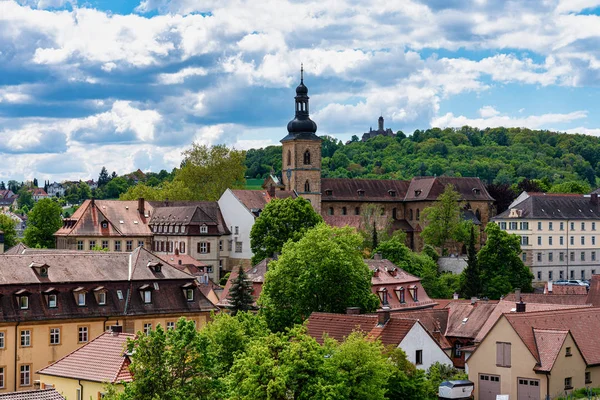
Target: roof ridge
point(72, 352)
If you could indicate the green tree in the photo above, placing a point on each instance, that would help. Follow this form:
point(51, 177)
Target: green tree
point(307, 275)
point(103, 177)
point(240, 294)
point(280, 221)
point(25, 198)
point(406, 381)
point(443, 221)
point(169, 365)
point(470, 284)
point(115, 187)
point(8, 226)
point(570, 187)
point(502, 269)
point(438, 373)
point(43, 221)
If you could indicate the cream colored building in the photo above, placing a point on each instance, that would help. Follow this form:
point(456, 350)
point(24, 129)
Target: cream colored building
point(54, 302)
point(560, 234)
point(538, 354)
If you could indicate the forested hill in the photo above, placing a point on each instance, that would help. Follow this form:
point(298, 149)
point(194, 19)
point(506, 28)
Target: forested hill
point(496, 155)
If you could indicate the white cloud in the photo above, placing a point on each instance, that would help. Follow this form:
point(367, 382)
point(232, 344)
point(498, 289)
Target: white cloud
point(531, 121)
point(180, 76)
point(585, 131)
point(488, 111)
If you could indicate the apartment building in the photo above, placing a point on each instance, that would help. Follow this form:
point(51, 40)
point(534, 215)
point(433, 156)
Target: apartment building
point(560, 234)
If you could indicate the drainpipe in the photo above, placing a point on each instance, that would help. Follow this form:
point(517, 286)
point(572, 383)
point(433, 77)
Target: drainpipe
point(80, 390)
point(547, 386)
point(16, 350)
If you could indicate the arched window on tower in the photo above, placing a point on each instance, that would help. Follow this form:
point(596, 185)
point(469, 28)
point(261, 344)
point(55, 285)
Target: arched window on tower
point(289, 158)
point(306, 186)
point(478, 215)
point(306, 157)
point(344, 211)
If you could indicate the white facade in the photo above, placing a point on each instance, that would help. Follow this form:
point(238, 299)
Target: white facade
point(56, 189)
point(240, 220)
point(418, 339)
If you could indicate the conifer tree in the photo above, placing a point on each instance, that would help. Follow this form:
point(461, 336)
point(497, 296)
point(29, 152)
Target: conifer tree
point(240, 295)
point(471, 276)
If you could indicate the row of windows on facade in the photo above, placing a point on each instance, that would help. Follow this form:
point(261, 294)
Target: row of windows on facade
point(360, 192)
point(104, 244)
point(306, 158)
point(561, 240)
point(524, 226)
point(201, 247)
point(400, 294)
point(174, 229)
point(561, 256)
point(561, 274)
point(99, 295)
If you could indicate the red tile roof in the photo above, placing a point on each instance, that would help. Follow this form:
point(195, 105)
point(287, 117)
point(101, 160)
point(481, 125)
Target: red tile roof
point(255, 274)
point(593, 296)
point(430, 188)
point(566, 290)
point(540, 298)
point(435, 321)
point(465, 320)
point(45, 394)
point(101, 360)
point(258, 199)
point(379, 190)
point(548, 343)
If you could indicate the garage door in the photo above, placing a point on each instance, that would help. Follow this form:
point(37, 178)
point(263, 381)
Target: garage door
point(489, 386)
point(528, 389)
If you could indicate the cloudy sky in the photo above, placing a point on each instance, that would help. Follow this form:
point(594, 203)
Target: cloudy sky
point(131, 83)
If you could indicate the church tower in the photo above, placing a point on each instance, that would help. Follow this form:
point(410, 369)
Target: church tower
point(301, 162)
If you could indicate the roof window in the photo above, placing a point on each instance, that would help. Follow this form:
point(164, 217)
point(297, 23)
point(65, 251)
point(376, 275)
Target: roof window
point(328, 192)
point(417, 193)
point(392, 193)
point(361, 192)
point(155, 266)
point(476, 191)
point(40, 268)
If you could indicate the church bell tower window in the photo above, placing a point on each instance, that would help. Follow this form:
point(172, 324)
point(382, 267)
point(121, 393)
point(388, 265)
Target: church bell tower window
point(306, 157)
point(289, 158)
point(307, 186)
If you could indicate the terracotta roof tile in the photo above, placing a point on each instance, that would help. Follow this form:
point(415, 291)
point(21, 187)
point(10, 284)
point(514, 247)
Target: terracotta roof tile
point(424, 188)
point(566, 290)
point(45, 394)
point(435, 321)
point(258, 199)
point(540, 298)
point(101, 360)
point(380, 190)
point(593, 296)
point(548, 343)
point(466, 320)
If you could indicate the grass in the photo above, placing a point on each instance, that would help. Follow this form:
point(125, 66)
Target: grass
point(254, 184)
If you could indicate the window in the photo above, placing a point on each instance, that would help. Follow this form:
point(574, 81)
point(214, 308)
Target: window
point(583, 240)
point(410, 214)
point(23, 302)
point(593, 272)
point(230, 245)
point(524, 257)
point(129, 245)
point(357, 211)
point(503, 225)
point(101, 298)
point(572, 226)
point(561, 240)
point(418, 214)
point(593, 226)
point(539, 275)
point(147, 328)
point(524, 226)
point(539, 240)
point(82, 334)
point(189, 294)
point(562, 226)
point(26, 375)
point(78, 394)
point(549, 275)
point(419, 357)
point(52, 301)
point(539, 226)
point(203, 247)
point(593, 240)
point(117, 245)
point(572, 256)
point(330, 211)
point(209, 269)
point(561, 274)
point(414, 293)
point(204, 229)
point(394, 213)
point(170, 325)
point(550, 226)
point(502, 354)
point(105, 244)
point(2, 377)
point(140, 243)
point(176, 228)
point(572, 274)
point(306, 157)
point(401, 296)
point(582, 255)
point(568, 352)
point(550, 256)
point(92, 244)
point(345, 211)
point(561, 256)
point(588, 377)
point(182, 247)
point(80, 245)
point(550, 240)
point(307, 186)
point(524, 240)
point(54, 335)
point(170, 228)
point(457, 352)
point(568, 383)
point(593, 256)
point(220, 245)
point(238, 247)
point(539, 257)
point(119, 294)
point(2, 340)
point(582, 274)
point(147, 296)
point(237, 230)
point(583, 226)
point(25, 338)
point(512, 226)
point(104, 224)
point(81, 299)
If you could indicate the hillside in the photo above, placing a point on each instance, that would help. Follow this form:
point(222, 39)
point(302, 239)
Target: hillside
point(496, 155)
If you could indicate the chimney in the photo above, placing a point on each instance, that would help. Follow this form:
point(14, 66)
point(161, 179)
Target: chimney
point(473, 301)
point(520, 307)
point(518, 294)
point(352, 310)
point(93, 202)
point(376, 273)
point(383, 316)
point(455, 296)
point(271, 190)
point(549, 287)
point(594, 198)
point(116, 329)
point(377, 256)
point(141, 204)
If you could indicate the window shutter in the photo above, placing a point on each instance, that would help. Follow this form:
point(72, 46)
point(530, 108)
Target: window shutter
point(208, 247)
point(506, 354)
point(198, 249)
point(499, 353)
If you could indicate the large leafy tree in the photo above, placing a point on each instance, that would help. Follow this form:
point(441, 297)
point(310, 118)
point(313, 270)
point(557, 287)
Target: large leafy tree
point(25, 198)
point(502, 269)
point(240, 294)
point(43, 221)
point(470, 284)
point(8, 226)
point(169, 365)
point(280, 221)
point(323, 271)
point(443, 221)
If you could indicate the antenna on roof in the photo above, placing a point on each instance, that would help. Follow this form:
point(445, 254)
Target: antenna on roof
point(301, 72)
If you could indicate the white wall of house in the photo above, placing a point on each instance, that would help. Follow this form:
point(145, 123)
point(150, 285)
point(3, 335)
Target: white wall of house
point(418, 339)
point(239, 220)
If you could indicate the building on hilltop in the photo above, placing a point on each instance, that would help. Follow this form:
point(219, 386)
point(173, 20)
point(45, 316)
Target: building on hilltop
point(381, 131)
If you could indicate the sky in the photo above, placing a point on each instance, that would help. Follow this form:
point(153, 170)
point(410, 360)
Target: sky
point(130, 84)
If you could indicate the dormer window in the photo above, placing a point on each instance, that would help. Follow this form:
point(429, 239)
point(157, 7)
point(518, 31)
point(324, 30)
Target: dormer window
point(417, 193)
point(476, 191)
point(155, 266)
point(328, 192)
point(400, 294)
point(51, 297)
point(104, 224)
point(361, 192)
point(414, 293)
point(188, 291)
point(23, 299)
point(80, 296)
point(204, 229)
point(383, 296)
point(40, 268)
point(100, 295)
point(176, 228)
point(392, 193)
point(146, 293)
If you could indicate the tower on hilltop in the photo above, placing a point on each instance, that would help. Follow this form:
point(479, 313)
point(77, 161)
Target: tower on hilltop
point(301, 161)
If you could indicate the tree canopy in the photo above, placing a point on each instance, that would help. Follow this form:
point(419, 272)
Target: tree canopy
point(280, 221)
point(43, 221)
point(308, 274)
point(8, 226)
point(240, 294)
